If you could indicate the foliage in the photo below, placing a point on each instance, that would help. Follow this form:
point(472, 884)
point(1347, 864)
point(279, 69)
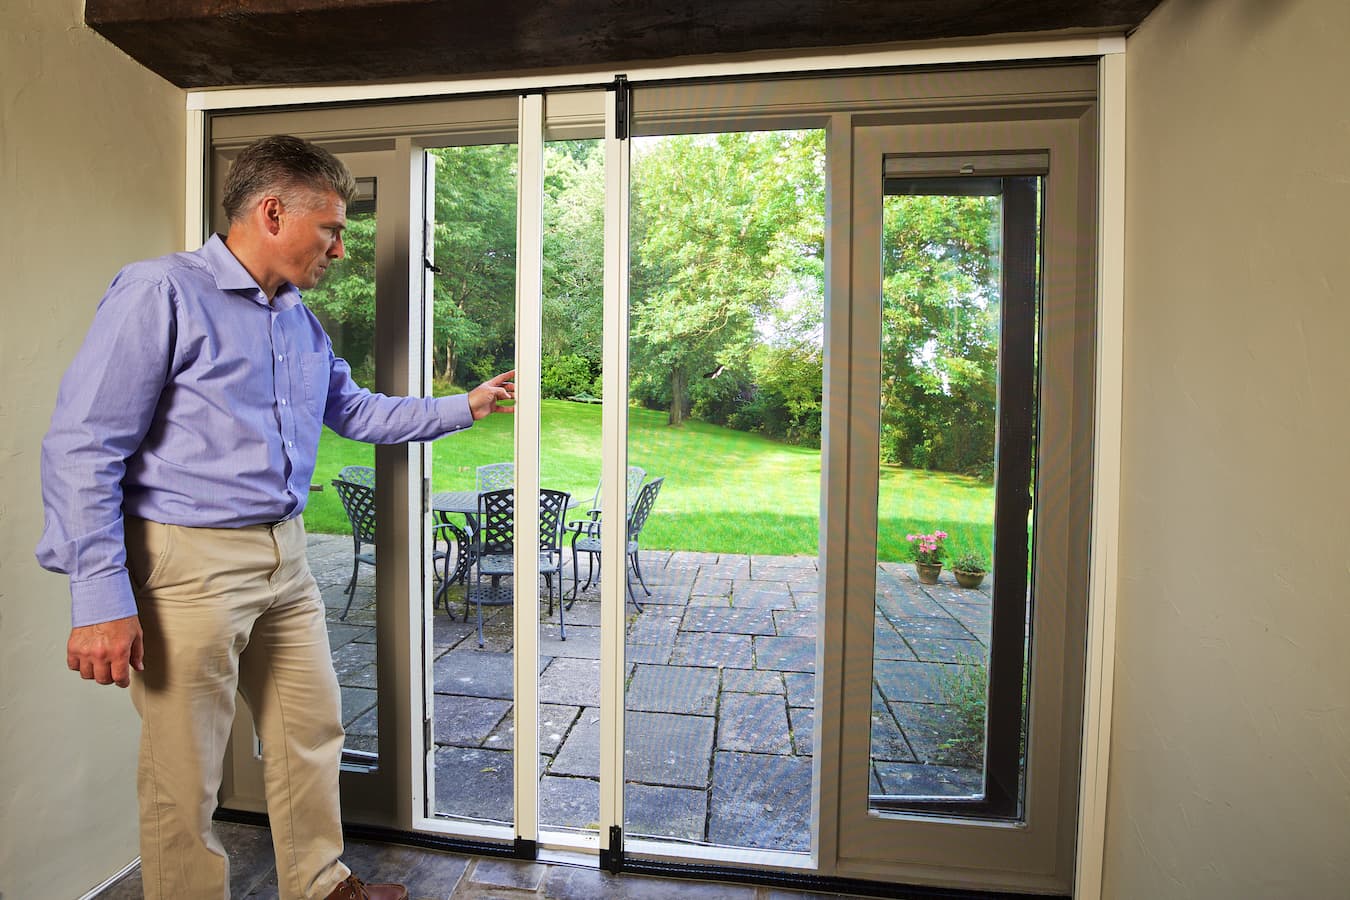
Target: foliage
point(727, 231)
point(725, 492)
point(970, 561)
point(965, 688)
point(940, 332)
point(344, 300)
point(927, 548)
point(565, 376)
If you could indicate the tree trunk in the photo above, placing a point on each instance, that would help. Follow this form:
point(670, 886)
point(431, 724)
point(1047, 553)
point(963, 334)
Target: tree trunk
point(677, 392)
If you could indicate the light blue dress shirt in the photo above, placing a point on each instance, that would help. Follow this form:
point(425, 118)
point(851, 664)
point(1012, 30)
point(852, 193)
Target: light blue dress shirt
point(194, 401)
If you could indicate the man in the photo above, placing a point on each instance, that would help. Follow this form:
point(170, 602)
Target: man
point(174, 474)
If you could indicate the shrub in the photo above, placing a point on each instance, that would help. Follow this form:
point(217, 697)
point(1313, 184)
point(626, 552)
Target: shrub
point(563, 376)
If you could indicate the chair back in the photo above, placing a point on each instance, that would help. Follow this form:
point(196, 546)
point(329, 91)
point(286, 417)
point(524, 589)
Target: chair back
point(642, 508)
point(635, 476)
point(496, 477)
point(552, 512)
point(358, 500)
point(358, 475)
point(496, 523)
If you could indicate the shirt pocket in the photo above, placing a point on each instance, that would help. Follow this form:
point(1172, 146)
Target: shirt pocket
point(314, 372)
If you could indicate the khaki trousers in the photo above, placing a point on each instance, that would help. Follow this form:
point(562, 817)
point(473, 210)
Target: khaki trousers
point(226, 610)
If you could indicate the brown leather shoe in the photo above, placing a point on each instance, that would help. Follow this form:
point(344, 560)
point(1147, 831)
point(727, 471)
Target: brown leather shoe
point(353, 888)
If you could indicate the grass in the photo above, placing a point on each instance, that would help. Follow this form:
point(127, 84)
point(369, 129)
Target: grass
point(725, 491)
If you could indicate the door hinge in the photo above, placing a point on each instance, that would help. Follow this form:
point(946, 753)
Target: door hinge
point(426, 495)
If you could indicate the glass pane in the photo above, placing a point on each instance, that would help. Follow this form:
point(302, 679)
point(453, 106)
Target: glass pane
point(725, 347)
point(569, 458)
point(473, 338)
point(340, 516)
point(942, 302)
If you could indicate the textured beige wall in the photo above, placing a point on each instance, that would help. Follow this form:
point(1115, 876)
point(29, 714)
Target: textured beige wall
point(1230, 760)
point(91, 176)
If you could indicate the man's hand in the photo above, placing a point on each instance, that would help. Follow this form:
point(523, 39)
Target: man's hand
point(488, 396)
point(102, 652)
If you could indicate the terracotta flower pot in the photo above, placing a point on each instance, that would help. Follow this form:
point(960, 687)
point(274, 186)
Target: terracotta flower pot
point(968, 579)
point(928, 572)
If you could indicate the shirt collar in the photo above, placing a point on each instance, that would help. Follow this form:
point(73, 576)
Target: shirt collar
point(231, 275)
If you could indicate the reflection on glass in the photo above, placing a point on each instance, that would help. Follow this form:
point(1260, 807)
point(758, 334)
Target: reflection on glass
point(939, 401)
point(473, 338)
point(725, 349)
point(340, 516)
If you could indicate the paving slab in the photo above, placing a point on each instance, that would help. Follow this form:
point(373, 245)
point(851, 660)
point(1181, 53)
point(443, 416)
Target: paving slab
point(712, 585)
point(888, 741)
point(355, 665)
point(710, 649)
point(900, 680)
point(665, 812)
point(729, 621)
point(579, 755)
point(571, 682)
point(919, 780)
point(356, 701)
point(466, 721)
point(761, 800)
point(475, 673)
point(947, 650)
point(753, 681)
point(508, 873)
point(569, 802)
point(888, 644)
point(691, 690)
point(667, 749)
point(762, 595)
point(583, 641)
point(476, 784)
point(803, 723)
point(801, 688)
point(656, 654)
point(785, 654)
point(340, 634)
point(943, 626)
point(753, 723)
point(654, 626)
point(795, 622)
point(929, 728)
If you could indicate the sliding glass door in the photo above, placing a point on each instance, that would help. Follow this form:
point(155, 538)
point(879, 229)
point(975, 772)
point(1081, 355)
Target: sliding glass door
point(776, 343)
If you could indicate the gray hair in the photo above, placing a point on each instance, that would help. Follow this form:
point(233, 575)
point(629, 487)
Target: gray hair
point(288, 168)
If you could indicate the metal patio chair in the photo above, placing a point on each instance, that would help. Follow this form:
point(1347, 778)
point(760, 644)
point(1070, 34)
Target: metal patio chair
point(588, 542)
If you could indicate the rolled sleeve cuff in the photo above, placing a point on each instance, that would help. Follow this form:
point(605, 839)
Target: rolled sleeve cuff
point(101, 600)
point(455, 413)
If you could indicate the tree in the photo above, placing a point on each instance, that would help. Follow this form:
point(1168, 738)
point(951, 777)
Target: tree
point(344, 300)
point(940, 332)
point(475, 245)
point(717, 234)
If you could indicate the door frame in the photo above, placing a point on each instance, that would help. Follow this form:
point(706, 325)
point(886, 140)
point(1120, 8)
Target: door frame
point(1107, 384)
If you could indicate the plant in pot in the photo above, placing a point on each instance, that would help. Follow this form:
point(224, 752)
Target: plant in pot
point(927, 551)
point(970, 568)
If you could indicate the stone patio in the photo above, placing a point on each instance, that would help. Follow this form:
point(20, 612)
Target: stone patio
point(719, 704)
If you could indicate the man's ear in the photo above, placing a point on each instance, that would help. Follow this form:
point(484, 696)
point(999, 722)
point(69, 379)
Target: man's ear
point(270, 211)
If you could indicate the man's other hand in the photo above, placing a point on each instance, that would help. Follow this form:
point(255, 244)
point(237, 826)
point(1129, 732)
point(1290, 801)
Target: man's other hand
point(488, 396)
point(104, 651)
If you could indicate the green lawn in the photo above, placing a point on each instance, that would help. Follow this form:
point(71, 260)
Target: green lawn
point(725, 491)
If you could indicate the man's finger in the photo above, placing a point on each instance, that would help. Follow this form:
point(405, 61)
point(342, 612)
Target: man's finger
point(502, 378)
point(120, 674)
point(138, 653)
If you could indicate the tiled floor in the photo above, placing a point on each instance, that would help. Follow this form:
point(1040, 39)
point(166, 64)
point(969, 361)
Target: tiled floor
point(436, 875)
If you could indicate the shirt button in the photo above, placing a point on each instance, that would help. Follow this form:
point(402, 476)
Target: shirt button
point(290, 443)
point(280, 357)
point(283, 401)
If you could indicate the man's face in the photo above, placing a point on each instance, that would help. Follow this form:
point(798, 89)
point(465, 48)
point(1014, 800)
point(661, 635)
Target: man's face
point(310, 238)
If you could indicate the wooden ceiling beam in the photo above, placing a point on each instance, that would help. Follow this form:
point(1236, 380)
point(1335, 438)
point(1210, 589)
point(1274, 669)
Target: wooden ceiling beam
point(213, 43)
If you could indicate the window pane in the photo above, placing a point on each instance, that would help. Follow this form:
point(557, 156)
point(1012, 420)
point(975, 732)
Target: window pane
point(941, 328)
point(725, 349)
point(340, 518)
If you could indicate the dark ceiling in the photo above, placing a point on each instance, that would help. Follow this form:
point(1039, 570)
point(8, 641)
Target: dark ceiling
point(210, 43)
